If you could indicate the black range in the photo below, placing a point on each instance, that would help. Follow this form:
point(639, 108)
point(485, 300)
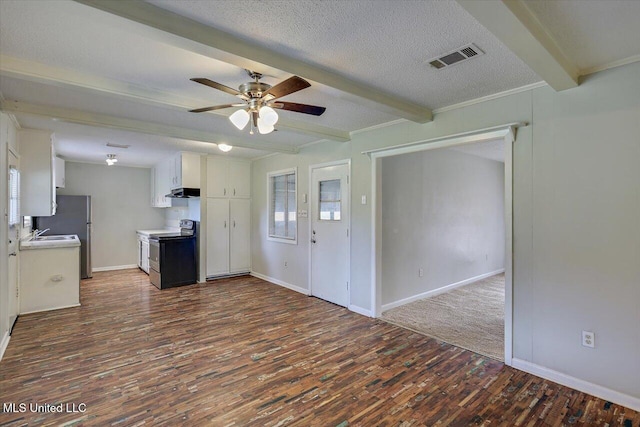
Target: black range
point(173, 258)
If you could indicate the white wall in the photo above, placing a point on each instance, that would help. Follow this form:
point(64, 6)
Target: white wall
point(576, 220)
point(120, 205)
point(443, 212)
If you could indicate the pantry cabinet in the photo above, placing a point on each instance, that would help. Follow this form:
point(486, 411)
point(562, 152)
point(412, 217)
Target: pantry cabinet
point(228, 220)
point(228, 236)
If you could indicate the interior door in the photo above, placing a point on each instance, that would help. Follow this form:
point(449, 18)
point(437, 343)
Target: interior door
point(330, 242)
point(13, 195)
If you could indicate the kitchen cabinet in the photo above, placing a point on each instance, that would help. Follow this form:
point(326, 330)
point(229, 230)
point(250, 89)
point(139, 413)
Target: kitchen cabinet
point(228, 236)
point(143, 253)
point(186, 171)
point(37, 181)
point(58, 168)
point(228, 178)
point(162, 178)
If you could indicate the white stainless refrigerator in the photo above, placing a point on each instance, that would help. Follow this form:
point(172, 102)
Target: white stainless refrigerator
point(73, 216)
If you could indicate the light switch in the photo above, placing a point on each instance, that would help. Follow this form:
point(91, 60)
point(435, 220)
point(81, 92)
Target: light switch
point(304, 198)
point(364, 199)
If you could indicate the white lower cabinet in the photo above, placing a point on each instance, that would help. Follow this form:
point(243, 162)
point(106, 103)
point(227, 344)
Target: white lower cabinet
point(228, 236)
point(143, 253)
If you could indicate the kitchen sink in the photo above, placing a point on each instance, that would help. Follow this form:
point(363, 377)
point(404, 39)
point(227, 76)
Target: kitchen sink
point(54, 238)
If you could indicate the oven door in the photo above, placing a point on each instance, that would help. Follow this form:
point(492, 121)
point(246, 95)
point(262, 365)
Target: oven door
point(154, 254)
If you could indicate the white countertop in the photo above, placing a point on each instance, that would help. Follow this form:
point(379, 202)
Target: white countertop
point(50, 242)
point(157, 232)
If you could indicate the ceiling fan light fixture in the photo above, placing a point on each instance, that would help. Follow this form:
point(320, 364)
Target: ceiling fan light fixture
point(240, 119)
point(264, 128)
point(268, 115)
point(225, 148)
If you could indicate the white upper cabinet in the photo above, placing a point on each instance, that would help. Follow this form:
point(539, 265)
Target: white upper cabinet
point(186, 171)
point(228, 178)
point(37, 184)
point(58, 167)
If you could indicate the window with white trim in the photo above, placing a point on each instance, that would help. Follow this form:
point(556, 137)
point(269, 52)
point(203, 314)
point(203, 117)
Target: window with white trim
point(14, 196)
point(282, 201)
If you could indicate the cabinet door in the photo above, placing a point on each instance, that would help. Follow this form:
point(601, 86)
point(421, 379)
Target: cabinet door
point(239, 179)
point(240, 242)
point(176, 179)
point(37, 185)
point(189, 170)
point(217, 237)
point(145, 257)
point(59, 172)
point(217, 171)
point(152, 186)
point(164, 178)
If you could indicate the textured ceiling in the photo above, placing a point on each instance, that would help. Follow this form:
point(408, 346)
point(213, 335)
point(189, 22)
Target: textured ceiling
point(382, 44)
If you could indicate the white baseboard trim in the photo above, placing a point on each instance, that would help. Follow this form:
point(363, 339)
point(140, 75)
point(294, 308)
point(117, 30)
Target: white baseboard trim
point(50, 309)
point(605, 393)
point(439, 291)
point(116, 267)
point(360, 310)
point(281, 283)
point(4, 343)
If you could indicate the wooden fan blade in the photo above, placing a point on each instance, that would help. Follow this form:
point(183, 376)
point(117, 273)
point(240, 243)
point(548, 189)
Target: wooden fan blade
point(299, 108)
point(216, 107)
point(216, 85)
point(286, 87)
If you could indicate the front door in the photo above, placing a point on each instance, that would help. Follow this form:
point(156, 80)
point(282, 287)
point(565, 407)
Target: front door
point(330, 242)
point(14, 237)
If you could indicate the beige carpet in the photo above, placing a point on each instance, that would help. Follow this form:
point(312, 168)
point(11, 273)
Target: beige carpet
point(470, 317)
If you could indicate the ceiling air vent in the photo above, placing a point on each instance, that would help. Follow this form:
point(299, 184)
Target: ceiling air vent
point(456, 56)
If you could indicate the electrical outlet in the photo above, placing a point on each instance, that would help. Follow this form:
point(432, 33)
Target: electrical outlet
point(588, 339)
point(420, 272)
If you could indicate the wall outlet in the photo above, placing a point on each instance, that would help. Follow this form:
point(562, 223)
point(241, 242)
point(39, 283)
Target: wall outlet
point(588, 339)
point(420, 272)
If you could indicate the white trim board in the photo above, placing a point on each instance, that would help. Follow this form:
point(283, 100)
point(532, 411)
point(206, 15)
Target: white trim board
point(359, 310)
point(51, 309)
point(442, 290)
point(4, 343)
point(280, 283)
point(596, 390)
point(116, 267)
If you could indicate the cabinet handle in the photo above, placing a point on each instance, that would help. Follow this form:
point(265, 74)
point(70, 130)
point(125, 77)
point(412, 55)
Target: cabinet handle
point(234, 191)
point(234, 223)
point(225, 224)
point(225, 192)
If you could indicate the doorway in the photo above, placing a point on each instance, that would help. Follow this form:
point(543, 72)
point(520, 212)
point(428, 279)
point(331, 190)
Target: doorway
point(507, 133)
point(330, 247)
point(13, 203)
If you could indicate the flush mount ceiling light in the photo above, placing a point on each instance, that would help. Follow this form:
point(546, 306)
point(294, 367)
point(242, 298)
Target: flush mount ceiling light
point(111, 159)
point(259, 102)
point(226, 147)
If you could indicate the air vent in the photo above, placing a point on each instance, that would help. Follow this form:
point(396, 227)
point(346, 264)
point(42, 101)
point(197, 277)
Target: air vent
point(456, 56)
point(111, 144)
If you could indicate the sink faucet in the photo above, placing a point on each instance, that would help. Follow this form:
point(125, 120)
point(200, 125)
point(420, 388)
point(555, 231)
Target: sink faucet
point(37, 233)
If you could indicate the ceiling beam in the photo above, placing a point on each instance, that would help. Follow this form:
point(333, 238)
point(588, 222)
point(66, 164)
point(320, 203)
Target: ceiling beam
point(102, 120)
point(37, 72)
point(193, 35)
point(521, 31)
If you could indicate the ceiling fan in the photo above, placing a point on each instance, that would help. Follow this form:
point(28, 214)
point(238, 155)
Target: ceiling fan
point(259, 101)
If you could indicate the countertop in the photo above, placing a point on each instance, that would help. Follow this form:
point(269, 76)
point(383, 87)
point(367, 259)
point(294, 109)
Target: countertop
point(50, 242)
point(157, 232)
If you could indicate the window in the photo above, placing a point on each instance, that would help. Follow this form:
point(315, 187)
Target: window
point(14, 196)
point(330, 200)
point(283, 208)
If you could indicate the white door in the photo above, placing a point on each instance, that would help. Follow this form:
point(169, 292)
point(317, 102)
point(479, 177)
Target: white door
point(14, 237)
point(330, 247)
point(240, 242)
point(217, 237)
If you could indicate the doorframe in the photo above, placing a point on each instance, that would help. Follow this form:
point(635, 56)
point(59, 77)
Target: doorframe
point(508, 133)
point(310, 219)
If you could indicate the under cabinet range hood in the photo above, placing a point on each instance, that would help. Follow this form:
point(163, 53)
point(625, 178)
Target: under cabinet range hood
point(183, 193)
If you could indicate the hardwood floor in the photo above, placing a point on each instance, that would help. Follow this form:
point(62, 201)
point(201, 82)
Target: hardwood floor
point(244, 352)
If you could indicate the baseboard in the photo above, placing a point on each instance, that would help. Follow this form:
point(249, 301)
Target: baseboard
point(439, 291)
point(50, 309)
point(578, 384)
point(4, 343)
point(116, 267)
point(360, 310)
point(280, 283)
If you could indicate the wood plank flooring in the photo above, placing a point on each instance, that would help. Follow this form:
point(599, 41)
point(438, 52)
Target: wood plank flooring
point(240, 351)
